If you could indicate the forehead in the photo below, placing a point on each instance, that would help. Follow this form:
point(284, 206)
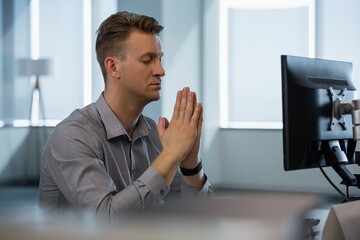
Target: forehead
point(141, 42)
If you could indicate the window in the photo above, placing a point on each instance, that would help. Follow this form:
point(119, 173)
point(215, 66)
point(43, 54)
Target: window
point(58, 31)
point(253, 35)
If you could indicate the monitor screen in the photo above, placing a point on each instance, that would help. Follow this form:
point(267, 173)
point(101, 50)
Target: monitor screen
point(317, 97)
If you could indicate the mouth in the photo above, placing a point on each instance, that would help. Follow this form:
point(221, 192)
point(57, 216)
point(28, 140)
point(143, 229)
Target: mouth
point(156, 84)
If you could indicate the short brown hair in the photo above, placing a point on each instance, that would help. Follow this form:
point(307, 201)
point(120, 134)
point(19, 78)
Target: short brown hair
point(116, 29)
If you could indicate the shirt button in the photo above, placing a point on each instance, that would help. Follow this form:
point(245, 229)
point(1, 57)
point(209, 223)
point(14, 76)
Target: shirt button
point(133, 172)
point(162, 191)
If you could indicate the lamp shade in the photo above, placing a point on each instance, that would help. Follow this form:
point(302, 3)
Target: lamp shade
point(30, 67)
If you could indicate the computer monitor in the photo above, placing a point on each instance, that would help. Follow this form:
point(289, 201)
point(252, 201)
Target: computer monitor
point(320, 115)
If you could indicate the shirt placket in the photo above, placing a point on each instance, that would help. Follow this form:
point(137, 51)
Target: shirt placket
point(132, 167)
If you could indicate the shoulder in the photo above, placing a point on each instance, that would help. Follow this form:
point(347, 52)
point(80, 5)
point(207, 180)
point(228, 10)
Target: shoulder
point(82, 123)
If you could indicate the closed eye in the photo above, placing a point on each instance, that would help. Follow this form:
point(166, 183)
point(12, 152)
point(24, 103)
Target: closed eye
point(148, 58)
point(147, 61)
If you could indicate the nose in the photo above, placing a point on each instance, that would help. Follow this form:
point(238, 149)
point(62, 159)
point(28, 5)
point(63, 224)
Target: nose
point(158, 69)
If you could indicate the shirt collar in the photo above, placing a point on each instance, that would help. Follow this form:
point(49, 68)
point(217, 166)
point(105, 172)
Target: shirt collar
point(113, 126)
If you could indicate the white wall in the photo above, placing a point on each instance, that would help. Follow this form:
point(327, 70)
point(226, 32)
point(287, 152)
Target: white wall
point(212, 150)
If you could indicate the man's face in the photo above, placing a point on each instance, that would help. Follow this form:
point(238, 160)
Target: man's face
point(141, 71)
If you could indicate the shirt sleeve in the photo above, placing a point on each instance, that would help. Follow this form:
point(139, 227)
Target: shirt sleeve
point(180, 188)
point(205, 191)
point(145, 193)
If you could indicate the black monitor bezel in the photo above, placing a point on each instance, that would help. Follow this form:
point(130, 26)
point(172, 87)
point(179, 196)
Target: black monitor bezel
point(303, 119)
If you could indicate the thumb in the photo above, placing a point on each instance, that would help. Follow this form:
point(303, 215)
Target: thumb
point(161, 127)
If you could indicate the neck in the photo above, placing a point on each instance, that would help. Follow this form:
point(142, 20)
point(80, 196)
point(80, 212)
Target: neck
point(125, 111)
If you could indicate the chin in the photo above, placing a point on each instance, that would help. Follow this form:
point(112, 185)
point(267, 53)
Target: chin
point(154, 98)
point(157, 96)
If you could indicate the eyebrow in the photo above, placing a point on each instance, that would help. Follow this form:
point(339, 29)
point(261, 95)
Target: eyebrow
point(152, 54)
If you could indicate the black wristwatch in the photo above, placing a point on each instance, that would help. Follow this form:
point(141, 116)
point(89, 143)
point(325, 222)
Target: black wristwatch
point(191, 172)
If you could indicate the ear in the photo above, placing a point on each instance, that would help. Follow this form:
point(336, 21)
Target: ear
point(112, 66)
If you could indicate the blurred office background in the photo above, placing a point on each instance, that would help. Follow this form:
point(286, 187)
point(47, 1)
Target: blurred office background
point(227, 51)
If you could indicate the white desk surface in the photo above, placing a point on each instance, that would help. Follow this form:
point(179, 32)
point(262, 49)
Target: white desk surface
point(250, 215)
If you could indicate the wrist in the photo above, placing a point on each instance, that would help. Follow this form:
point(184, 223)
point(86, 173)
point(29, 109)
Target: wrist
point(190, 163)
point(196, 181)
point(166, 165)
point(191, 171)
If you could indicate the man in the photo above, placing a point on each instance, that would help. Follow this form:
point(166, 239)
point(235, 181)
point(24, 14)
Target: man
point(108, 157)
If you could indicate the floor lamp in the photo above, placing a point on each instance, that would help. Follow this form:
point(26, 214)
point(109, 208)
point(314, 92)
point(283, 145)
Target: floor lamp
point(38, 132)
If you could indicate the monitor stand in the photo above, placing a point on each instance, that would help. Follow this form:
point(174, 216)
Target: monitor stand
point(337, 159)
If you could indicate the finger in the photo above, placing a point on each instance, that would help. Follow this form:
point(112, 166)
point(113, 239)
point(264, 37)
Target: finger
point(166, 122)
point(196, 116)
point(195, 100)
point(200, 122)
point(183, 103)
point(189, 107)
point(177, 105)
point(161, 126)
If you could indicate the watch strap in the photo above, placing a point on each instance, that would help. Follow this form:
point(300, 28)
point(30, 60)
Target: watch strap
point(193, 171)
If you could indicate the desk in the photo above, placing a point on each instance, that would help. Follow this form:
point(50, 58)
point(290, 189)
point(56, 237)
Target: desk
point(250, 215)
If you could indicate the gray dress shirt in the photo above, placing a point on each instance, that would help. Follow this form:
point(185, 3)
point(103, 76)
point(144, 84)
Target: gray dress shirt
point(89, 162)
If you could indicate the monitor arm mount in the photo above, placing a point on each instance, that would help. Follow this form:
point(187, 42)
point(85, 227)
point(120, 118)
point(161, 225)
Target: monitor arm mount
point(336, 157)
point(338, 152)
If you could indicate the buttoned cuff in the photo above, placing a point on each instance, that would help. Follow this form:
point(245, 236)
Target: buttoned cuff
point(205, 191)
point(155, 182)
